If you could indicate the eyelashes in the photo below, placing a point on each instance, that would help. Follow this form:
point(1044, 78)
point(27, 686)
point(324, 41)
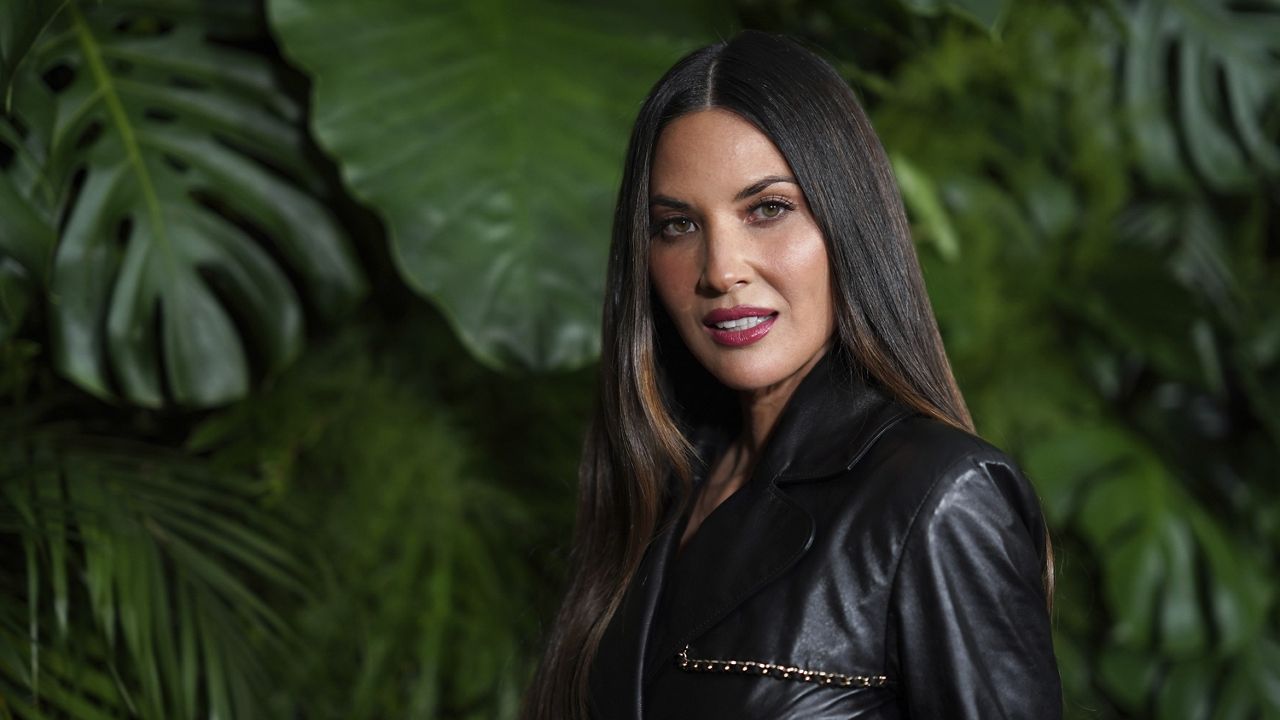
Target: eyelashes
point(667, 226)
point(764, 211)
point(780, 205)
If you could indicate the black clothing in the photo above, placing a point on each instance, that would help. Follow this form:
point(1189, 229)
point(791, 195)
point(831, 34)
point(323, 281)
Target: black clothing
point(877, 564)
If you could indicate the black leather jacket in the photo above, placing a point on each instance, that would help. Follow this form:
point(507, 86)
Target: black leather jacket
point(878, 564)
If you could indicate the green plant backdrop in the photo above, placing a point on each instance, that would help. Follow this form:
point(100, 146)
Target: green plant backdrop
point(299, 304)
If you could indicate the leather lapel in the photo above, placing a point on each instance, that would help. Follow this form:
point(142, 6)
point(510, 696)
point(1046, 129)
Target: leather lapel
point(617, 676)
point(833, 417)
point(750, 539)
point(759, 532)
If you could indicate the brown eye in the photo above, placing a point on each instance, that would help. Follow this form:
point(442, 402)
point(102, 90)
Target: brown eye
point(770, 209)
point(677, 226)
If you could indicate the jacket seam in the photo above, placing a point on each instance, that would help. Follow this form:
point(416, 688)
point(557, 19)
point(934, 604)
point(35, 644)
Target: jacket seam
point(879, 432)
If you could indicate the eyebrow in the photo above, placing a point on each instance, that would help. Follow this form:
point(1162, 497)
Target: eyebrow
point(743, 194)
point(669, 202)
point(761, 184)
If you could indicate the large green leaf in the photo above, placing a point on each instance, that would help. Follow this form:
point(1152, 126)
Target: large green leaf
point(489, 136)
point(1175, 581)
point(1202, 89)
point(173, 166)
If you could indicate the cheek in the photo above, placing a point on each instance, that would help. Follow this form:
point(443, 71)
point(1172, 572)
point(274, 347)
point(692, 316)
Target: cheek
point(668, 271)
point(807, 271)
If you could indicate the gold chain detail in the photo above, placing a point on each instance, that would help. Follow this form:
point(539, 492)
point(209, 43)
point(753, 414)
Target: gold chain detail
point(780, 671)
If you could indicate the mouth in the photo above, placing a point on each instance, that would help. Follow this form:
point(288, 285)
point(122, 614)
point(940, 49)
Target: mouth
point(739, 326)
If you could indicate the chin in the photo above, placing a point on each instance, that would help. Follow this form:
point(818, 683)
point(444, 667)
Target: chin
point(745, 375)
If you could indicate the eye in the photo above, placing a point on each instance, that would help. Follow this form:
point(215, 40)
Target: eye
point(675, 226)
point(771, 209)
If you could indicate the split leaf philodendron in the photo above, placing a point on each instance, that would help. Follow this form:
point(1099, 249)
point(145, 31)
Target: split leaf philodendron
point(158, 190)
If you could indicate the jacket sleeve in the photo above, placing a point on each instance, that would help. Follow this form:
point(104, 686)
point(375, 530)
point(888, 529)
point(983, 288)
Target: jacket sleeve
point(968, 622)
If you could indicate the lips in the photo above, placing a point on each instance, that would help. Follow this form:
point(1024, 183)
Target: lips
point(739, 326)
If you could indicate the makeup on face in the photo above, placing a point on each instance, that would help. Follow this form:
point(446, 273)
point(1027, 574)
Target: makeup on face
point(739, 326)
point(735, 256)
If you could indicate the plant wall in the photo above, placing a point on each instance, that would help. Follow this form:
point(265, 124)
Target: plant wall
point(299, 300)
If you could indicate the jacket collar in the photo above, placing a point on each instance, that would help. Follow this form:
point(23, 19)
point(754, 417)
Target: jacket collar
point(830, 421)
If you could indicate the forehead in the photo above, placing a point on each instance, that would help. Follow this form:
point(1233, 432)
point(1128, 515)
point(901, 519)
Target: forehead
point(710, 153)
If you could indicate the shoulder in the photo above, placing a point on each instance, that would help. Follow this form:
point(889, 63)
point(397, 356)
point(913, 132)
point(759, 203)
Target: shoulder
point(923, 486)
point(969, 631)
point(934, 449)
point(934, 459)
point(949, 479)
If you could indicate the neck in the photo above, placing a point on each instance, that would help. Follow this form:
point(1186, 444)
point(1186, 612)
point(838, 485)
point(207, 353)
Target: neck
point(762, 407)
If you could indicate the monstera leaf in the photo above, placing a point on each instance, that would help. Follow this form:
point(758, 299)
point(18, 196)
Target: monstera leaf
point(1213, 109)
point(155, 183)
point(1181, 593)
point(489, 136)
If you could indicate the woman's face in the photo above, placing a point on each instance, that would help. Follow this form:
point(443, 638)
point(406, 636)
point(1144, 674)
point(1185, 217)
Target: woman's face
point(735, 255)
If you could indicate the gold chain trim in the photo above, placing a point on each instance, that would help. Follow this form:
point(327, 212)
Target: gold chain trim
point(780, 671)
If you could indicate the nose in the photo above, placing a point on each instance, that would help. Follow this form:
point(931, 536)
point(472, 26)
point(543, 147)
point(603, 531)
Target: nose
point(726, 262)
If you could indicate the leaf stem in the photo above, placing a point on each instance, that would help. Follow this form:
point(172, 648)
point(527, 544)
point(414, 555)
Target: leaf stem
point(93, 56)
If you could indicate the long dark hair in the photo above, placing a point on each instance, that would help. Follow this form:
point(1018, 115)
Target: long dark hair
point(637, 455)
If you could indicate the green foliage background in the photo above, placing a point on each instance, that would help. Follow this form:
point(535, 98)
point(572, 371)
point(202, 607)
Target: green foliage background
point(299, 300)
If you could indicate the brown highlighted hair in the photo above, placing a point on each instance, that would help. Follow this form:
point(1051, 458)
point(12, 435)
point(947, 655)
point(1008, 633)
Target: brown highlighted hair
point(637, 456)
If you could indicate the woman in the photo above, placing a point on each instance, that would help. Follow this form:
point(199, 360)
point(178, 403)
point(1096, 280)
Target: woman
point(783, 512)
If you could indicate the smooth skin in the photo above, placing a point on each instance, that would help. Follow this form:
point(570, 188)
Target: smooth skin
point(730, 227)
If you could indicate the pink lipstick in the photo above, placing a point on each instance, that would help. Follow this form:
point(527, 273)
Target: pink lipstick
point(739, 326)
